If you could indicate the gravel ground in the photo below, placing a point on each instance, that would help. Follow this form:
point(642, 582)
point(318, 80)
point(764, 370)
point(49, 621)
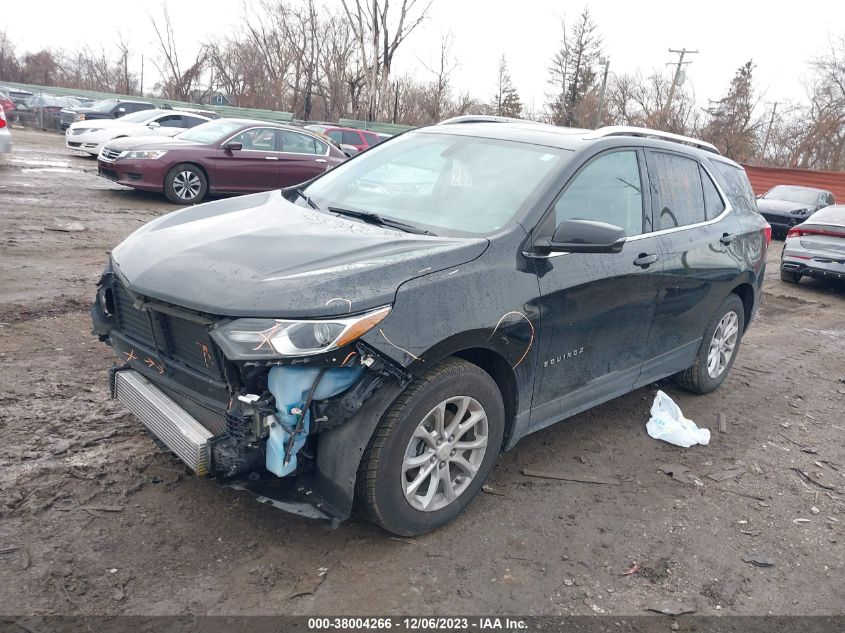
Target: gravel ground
point(95, 519)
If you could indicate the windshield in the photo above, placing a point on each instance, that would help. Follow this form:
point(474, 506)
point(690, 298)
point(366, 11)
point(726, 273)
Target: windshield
point(458, 183)
point(793, 194)
point(211, 131)
point(140, 117)
point(104, 106)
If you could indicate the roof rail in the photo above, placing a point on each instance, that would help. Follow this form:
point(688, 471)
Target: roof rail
point(627, 130)
point(483, 118)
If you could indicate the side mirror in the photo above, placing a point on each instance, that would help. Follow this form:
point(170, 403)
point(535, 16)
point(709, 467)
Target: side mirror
point(759, 196)
point(120, 111)
point(349, 150)
point(232, 147)
point(153, 125)
point(585, 236)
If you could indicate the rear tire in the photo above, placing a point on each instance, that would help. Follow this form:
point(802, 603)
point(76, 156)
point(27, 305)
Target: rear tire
point(718, 349)
point(413, 478)
point(185, 184)
point(790, 277)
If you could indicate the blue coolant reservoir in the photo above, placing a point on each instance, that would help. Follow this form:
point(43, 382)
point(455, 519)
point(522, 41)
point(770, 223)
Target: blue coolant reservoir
point(290, 387)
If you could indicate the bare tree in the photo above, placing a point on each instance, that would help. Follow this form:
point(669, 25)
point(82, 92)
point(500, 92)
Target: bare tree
point(572, 73)
point(379, 33)
point(438, 89)
point(176, 83)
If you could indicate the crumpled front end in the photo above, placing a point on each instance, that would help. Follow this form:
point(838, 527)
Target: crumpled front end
point(253, 422)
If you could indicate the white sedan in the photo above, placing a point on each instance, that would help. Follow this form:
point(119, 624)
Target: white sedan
point(90, 136)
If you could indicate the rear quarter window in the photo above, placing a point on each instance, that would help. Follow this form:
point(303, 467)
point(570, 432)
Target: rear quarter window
point(735, 184)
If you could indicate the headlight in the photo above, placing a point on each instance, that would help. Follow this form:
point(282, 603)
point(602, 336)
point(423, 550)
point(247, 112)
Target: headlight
point(151, 154)
point(248, 339)
point(80, 117)
point(90, 129)
point(800, 212)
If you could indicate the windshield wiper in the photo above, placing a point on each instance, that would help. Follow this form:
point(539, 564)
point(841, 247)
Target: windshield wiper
point(298, 191)
point(375, 218)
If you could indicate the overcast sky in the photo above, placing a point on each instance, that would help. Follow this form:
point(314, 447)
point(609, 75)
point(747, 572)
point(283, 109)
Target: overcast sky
point(780, 37)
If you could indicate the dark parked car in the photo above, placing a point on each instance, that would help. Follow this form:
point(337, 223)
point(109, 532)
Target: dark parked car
point(384, 332)
point(6, 103)
point(43, 110)
point(785, 206)
point(222, 156)
point(816, 247)
point(17, 95)
point(106, 109)
point(359, 139)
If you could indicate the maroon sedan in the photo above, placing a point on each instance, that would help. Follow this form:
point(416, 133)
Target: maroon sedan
point(222, 156)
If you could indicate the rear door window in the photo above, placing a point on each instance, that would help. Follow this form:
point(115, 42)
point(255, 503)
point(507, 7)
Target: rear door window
point(171, 120)
point(608, 190)
point(351, 138)
point(296, 143)
point(335, 135)
point(677, 192)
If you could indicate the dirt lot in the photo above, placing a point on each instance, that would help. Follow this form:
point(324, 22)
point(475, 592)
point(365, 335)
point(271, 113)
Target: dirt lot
point(104, 522)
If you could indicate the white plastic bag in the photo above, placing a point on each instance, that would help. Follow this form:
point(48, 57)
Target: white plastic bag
point(667, 423)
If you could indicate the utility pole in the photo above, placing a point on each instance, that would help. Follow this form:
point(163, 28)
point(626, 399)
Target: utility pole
point(768, 132)
point(142, 74)
point(606, 62)
point(676, 80)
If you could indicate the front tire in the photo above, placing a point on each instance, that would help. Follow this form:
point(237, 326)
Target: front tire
point(718, 349)
point(432, 450)
point(185, 184)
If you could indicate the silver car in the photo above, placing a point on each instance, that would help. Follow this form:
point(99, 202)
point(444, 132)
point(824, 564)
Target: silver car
point(816, 248)
point(5, 135)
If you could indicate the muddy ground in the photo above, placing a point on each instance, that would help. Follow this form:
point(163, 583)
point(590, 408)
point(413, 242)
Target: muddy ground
point(95, 519)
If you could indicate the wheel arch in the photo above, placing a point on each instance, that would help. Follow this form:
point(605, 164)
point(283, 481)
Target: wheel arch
point(745, 291)
point(502, 374)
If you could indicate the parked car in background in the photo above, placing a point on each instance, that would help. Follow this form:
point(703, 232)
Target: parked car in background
point(785, 206)
point(5, 134)
point(343, 342)
point(89, 136)
point(17, 95)
point(222, 156)
point(359, 139)
point(43, 109)
point(105, 109)
point(6, 103)
point(816, 247)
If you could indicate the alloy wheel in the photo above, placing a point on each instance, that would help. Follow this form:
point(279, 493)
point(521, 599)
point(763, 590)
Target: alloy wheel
point(723, 344)
point(187, 185)
point(445, 453)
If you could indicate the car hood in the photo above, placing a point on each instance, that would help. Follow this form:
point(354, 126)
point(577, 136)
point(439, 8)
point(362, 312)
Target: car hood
point(260, 255)
point(782, 207)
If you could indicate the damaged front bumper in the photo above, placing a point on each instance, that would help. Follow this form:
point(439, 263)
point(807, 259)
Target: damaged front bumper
point(292, 433)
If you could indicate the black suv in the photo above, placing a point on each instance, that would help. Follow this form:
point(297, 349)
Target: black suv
point(383, 331)
point(106, 109)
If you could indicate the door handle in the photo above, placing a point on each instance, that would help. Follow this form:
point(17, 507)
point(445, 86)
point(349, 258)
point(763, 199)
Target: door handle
point(271, 158)
point(319, 160)
point(645, 260)
point(726, 238)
